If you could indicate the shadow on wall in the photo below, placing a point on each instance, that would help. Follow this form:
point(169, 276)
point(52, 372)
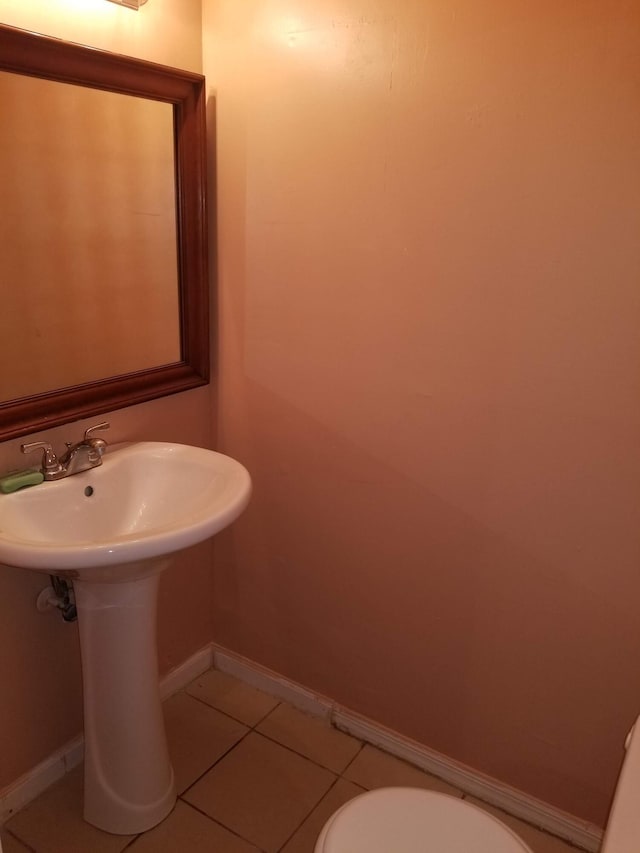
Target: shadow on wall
point(362, 584)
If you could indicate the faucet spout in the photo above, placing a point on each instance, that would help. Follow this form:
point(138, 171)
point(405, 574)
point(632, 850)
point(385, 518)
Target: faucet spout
point(82, 456)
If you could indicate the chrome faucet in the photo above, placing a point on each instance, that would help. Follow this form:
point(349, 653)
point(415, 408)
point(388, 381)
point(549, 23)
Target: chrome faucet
point(78, 457)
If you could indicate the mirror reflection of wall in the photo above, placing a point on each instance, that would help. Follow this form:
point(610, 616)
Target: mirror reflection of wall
point(88, 203)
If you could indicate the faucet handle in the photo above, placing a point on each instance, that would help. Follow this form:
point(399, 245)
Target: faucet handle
point(88, 433)
point(49, 459)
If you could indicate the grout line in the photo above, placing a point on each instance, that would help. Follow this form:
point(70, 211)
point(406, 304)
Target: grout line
point(219, 823)
point(18, 839)
point(215, 763)
point(268, 714)
point(362, 746)
point(266, 736)
point(254, 728)
point(299, 754)
point(310, 812)
point(185, 690)
point(218, 710)
point(339, 778)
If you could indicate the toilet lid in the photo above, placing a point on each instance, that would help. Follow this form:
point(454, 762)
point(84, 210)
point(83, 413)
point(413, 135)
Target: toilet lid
point(412, 820)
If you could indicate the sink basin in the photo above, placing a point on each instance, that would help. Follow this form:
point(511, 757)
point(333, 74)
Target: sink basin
point(146, 500)
point(111, 531)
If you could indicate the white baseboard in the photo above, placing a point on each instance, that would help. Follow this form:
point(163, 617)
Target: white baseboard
point(272, 683)
point(489, 790)
point(536, 812)
point(185, 672)
point(35, 781)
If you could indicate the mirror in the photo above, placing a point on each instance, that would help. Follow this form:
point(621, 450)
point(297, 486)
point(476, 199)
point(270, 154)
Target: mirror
point(102, 232)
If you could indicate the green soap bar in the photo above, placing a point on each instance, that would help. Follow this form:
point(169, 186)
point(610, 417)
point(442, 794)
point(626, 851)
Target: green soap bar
point(20, 480)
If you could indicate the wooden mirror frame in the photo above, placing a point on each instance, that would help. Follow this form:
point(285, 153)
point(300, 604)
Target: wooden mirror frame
point(40, 56)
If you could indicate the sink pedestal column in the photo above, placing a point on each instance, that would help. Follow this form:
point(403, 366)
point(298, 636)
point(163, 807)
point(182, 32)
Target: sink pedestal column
point(128, 779)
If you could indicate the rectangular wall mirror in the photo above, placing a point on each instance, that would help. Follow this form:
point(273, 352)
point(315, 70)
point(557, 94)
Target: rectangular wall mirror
point(102, 232)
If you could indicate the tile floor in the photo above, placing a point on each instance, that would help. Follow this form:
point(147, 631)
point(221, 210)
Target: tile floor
point(254, 776)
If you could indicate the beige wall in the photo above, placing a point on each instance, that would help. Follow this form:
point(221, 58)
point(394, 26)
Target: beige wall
point(165, 31)
point(430, 339)
point(41, 708)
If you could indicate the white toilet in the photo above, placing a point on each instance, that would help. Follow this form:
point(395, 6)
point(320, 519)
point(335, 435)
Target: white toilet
point(412, 820)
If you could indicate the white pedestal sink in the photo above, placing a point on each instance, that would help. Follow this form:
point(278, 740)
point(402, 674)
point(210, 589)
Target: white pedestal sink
point(110, 530)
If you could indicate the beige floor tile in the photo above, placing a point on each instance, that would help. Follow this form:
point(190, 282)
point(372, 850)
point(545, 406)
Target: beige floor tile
point(538, 841)
point(305, 838)
point(186, 829)
point(262, 791)
point(198, 736)
point(53, 822)
point(235, 698)
point(311, 737)
point(373, 768)
point(12, 845)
